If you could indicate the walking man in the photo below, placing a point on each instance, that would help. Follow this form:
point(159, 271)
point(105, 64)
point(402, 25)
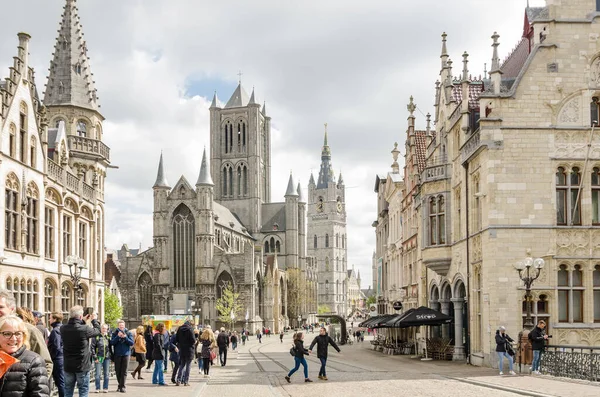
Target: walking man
point(185, 341)
point(223, 343)
point(538, 338)
point(323, 341)
point(281, 336)
point(55, 346)
point(77, 354)
point(121, 340)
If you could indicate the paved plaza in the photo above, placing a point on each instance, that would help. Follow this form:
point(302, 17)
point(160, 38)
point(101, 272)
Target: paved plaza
point(259, 370)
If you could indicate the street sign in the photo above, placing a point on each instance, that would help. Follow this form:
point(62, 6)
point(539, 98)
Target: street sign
point(397, 305)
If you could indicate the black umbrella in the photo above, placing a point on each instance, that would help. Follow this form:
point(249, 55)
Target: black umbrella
point(422, 316)
point(373, 321)
point(389, 323)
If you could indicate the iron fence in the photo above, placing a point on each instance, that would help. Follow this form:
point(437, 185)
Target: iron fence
point(575, 362)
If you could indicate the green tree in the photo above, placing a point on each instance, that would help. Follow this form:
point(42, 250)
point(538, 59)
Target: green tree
point(112, 309)
point(371, 300)
point(323, 309)
point(229, 302)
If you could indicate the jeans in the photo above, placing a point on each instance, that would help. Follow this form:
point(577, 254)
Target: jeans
point(200, 362)
point(59, 378)
point(298, 361)
point(501, 356)
point(83, 383)
point(105, 367)
point(323, 364)
point(537, 359)
point(166, 356)
point(174, 374)
point(157, 375)
point(223, 355)
point(121, 370)
point(234, 345)
point(185, 365)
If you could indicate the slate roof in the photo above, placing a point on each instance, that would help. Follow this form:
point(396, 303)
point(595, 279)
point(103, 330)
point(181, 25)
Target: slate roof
point(535, 12)
point(513, 64)
point(228, 219)
point(238, 99)
point(274, 213)
point(421, 149)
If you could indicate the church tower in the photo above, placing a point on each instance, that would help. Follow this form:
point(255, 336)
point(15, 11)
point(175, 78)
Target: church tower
point(71, 97)
point(327, 233)
point(240, 159)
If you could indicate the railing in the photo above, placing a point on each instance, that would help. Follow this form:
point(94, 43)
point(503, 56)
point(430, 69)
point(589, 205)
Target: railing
point(72, 182)
point(55, 171)
point(88, 192)
point(575, 362)
point(437, 160)
point(436, 172)
point(88, 145)
point(471, 146)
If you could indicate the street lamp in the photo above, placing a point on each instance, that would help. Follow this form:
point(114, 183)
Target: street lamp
point(76, 265)
point(525, 274)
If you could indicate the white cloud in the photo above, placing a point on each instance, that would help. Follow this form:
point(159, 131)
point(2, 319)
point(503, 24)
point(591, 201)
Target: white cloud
point(350, 63)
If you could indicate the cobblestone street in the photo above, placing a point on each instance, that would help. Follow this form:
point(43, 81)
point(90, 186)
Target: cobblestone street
point(259, 370)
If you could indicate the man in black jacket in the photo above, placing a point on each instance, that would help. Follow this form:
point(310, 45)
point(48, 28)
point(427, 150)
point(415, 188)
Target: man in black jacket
point(55, 346)
point(77, 354)
point(323, 341)
point(185, 341)
point(223, 343)
point(538, 338)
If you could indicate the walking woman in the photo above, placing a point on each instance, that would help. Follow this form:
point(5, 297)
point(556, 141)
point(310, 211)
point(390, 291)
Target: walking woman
point(174, 358)
point(149, 346)
point(139, 348)
point(158, 355)
point(502, 341)
point(299, 353)
point(207, 339)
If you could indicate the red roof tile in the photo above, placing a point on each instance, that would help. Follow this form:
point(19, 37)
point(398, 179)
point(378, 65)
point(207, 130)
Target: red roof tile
point(515, 61)
point(475, 90)
point(421, 149)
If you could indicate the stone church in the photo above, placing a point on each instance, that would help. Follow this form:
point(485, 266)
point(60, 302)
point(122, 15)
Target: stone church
point(224, 230)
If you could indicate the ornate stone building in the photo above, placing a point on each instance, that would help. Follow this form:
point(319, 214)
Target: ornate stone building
point(327, 234)
point(53, 167)
point(225, 233)
point(513, 171)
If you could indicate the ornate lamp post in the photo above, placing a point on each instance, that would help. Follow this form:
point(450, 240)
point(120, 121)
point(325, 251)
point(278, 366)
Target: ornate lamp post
point(525, 274)
point(528, 276)
point(76, 265)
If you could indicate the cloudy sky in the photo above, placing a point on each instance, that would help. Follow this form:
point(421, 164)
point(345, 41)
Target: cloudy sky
point(350, 63)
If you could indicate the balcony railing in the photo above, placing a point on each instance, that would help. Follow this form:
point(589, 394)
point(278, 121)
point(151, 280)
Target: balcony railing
point(471, 146)
point(88, 145)
point(65, 178)
point(575, 362)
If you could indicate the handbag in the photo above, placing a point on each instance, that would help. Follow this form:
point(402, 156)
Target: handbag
point(213, 355)
point(509, 349)
point(293, 351)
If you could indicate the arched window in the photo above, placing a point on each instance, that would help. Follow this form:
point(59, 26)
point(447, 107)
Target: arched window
point(315, 241)
point(66, 296)
point(145, 294)
point(337, 240)
point(224, 281)
point(441, 220)
point(12, 141)
point(272, 243)
point(278, 246)
point(343, 241)
point(81, 295)
point(266, 247)
point(32, 152)
point(31, 244)
point(184, 275)
point(239, 181)
point(433, 229)
point(326, 263)
point(23, 132)
point(570, 294)
point(326, 240)
point(596, 286)
point(245, 179)
point(596, 196)
point(81, 129)
point(568, 199)
point(228, 132)
point(228, 180)
point(49, 299)
point(12, 214)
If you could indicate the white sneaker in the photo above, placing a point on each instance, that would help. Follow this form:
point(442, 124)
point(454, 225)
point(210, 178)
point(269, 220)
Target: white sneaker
point(512, 372)
point(501, 373)
point(199, 372)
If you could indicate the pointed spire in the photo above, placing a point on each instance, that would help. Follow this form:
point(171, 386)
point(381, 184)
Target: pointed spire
point(495, 58)
point(161, 180)
point(311, 181)
point(428, 128)
point(204, 178)
point(444, 55)
point(340, 179)
point(326, 174)
point(301, 198)
point(264, 109)
point(291, 192)
point(252, 100)
point(70, 81)
point(238, 99)
point(214, 101)
point(465, 76)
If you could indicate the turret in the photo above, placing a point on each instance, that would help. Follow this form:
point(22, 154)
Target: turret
point(291, 216)
point(24, 52)
point(465, 94)
point(496, 73)
point(205, 186)
point(395, 153)
point(161, 190)
point(301, 226)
